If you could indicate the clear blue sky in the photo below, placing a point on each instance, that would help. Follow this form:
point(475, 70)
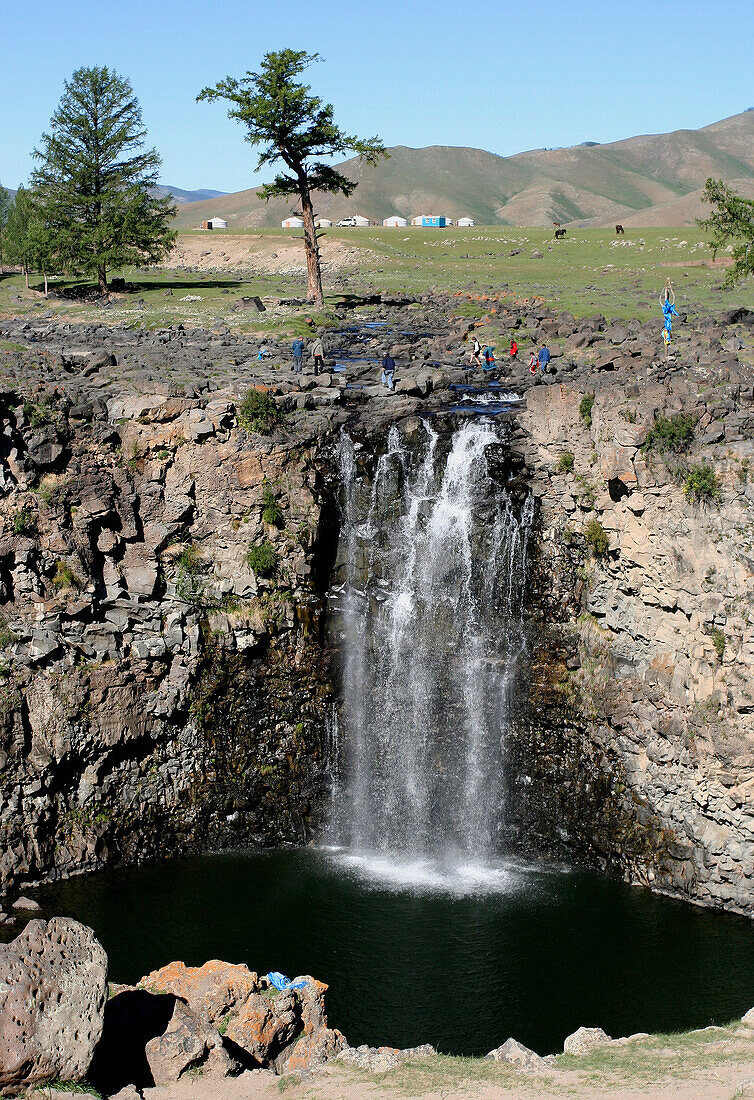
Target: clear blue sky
point(494, 74)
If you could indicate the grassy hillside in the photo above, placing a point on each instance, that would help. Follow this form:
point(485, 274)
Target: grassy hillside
point(586, 184)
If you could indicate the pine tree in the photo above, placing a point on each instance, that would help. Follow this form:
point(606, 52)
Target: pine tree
point(298, 129)
point(95, 183)
point(733, 220)
point(6, 205)
point(26, 240)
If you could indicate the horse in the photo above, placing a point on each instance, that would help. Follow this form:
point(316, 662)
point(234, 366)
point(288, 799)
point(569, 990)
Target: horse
point(559, 233)
point(620, 231)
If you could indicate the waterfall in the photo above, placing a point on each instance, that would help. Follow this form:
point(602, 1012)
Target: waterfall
point(429, 606)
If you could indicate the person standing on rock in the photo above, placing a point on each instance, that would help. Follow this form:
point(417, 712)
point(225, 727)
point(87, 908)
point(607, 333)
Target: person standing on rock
point(513, 350)
point(533, 361)
point(318, 354)
point(489, 357)
point(476, 351)
point(544, 358)
point(388, 370)
point(298, 355)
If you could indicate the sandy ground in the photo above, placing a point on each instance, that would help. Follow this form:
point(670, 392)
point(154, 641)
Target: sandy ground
point(261, 255)
point(717, 1071)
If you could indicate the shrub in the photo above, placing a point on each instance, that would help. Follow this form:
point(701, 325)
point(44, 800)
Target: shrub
point(597, 538)
point(24, 521)
point(258, 412)
point(7, 637)
point(670, 433)
point(189, 585)
point(65, 578)
point(272, 513)
point(37, 413)
point(718, 641)
point(263, 559)
point(585, 409)
point(701, 483)
point(565, 463)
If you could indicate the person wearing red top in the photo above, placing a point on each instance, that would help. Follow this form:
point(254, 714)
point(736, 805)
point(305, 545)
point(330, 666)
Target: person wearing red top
point(514, 349)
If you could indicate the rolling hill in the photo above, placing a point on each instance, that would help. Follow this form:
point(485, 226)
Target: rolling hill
point(655, 179)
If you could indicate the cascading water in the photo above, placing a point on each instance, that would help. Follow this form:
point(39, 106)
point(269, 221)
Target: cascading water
point(432, 571)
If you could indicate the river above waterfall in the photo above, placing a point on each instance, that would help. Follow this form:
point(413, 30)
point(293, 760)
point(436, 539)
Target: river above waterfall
point(460, 956)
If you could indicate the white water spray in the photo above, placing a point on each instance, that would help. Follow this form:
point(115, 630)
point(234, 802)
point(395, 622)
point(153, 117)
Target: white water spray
point(433, 560)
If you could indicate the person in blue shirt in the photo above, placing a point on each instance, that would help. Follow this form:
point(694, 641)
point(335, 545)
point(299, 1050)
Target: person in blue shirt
point(388, 370)
point(544, 358)
point(298, 356)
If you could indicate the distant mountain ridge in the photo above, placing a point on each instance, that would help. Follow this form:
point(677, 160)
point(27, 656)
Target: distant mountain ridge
point(654, 179)
point(181, 196)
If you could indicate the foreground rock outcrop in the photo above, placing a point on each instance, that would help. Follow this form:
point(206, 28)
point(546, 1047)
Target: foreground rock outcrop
point(53, 989)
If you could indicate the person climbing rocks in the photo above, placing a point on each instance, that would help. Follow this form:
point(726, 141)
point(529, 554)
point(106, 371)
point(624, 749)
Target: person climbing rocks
point(318, 354)
point(263, 353)
point(544, 358)
point(489, 357)
point(476, 351)
point(297, 347)
point(388, 370)
point(513, 349)
point(533, 361)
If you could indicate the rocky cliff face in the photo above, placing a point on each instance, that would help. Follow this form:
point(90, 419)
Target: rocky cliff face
point(163, 688)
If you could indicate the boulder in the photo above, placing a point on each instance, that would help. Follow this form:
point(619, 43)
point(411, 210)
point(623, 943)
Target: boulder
point(382, 1059)
point(748, 1018)
point(264, 1025)
point(187, 1042)
point(311, 1050)
point(584, 1040)
point(516, 1054)
point(53, 990)
point(211, 991)
point(26, 903)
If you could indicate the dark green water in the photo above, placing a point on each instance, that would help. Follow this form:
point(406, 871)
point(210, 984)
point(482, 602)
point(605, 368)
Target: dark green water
point(461, 960)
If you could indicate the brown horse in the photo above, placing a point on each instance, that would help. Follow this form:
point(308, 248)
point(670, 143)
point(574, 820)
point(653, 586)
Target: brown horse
point(619, 231)
point(559, 233)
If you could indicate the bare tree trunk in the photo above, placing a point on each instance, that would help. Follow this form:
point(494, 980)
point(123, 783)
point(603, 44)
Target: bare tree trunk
point(26, 274)
point(45, 275)
point(102, 278)
point(311, 248)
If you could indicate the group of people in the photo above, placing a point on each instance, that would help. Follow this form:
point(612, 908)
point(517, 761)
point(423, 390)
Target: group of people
point(484, 357)
point(317, 353)
point(479, 356)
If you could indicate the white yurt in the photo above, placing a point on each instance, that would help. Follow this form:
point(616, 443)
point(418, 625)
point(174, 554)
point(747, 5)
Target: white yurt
point(217, 223)
point(361, 222)
point(418, 219)
point(467, 223)
point(396, 222)
point(292, 222)
point(322, 223)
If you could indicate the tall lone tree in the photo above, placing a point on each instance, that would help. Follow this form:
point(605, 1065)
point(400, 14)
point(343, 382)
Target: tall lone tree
point(733, 220)
point(95, 183)
point(6, 205)
point(296, 128)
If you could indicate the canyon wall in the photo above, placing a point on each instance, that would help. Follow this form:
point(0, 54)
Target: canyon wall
point(162, 688)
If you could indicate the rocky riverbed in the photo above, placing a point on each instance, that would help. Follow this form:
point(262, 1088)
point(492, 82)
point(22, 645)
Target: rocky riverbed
point(163, 689)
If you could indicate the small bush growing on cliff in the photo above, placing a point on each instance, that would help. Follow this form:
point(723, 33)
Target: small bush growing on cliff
point(272, 513)
point(597, 538)
point(585, 409)
point(189, 585)
point(718, 641)
point(65, 578)
point(670, 433)
point(258, 412)
point(262, 559)
point(24, 521)
point(701, 483)
point(7, 637)
point(565, 462)
point(37, 413)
